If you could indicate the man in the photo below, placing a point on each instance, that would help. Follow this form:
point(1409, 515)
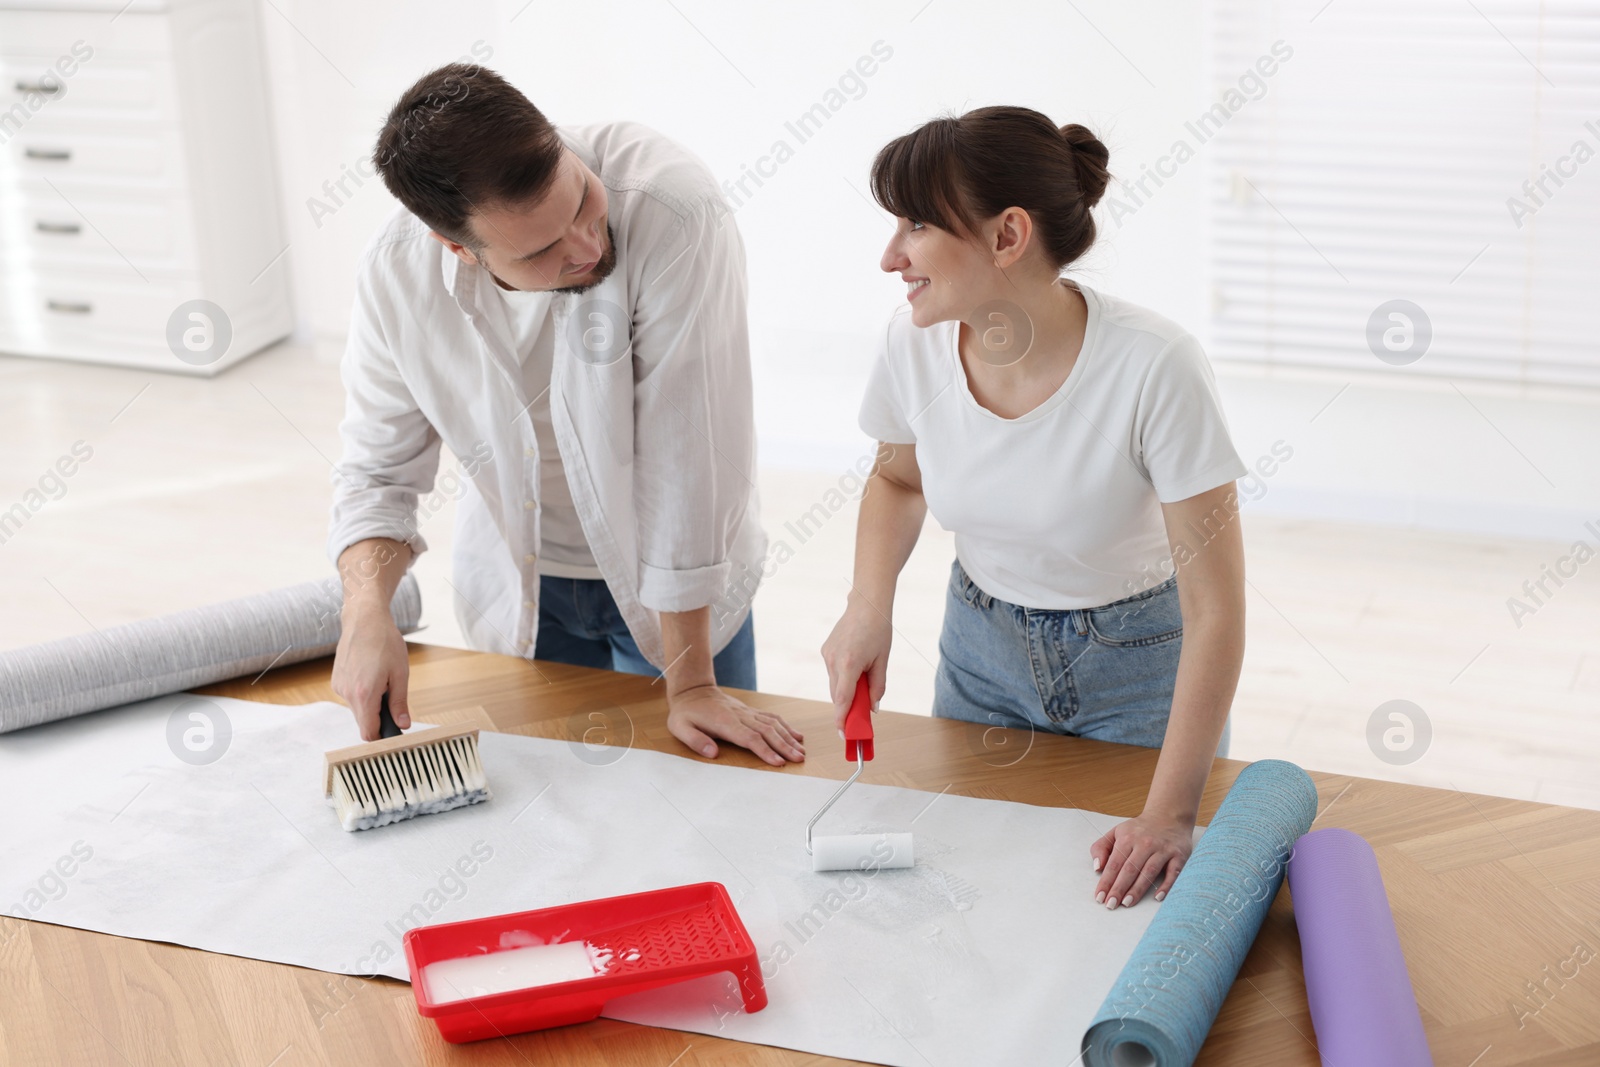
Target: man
point(565, 309)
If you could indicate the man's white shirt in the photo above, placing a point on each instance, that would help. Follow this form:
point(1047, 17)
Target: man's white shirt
point(649, 403)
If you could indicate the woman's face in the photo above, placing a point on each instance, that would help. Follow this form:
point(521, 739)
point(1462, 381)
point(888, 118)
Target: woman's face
point(946, 275)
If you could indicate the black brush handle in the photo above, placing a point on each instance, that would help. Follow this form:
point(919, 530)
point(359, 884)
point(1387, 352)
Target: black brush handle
point(386, 726)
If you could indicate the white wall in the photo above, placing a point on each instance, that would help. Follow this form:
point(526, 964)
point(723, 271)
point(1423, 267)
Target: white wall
point(723, 78)
point(812, 234)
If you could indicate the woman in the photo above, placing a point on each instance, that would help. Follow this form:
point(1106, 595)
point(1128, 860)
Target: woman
point(1075, 444)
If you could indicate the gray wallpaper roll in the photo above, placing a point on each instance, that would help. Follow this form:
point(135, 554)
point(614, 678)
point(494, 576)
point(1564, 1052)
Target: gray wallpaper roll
point(171, 653)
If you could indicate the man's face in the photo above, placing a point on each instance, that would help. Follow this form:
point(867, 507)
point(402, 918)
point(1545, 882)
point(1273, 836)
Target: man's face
point(562, 243)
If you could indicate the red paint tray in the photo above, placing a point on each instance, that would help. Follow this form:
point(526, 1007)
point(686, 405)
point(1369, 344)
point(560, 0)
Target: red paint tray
point(655, 939)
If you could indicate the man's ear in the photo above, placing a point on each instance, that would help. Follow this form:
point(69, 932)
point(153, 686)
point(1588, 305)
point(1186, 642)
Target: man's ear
point(462, 251)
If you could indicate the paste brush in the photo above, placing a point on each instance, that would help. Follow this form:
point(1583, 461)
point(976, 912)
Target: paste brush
point(400, 776)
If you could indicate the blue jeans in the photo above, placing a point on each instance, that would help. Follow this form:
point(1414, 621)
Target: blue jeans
point(580, 624)
point(1105, 673)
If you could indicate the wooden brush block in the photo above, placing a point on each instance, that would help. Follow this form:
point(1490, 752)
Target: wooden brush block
point(457, 722)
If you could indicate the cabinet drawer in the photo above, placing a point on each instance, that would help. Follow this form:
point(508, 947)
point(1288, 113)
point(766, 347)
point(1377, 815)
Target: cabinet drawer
point(33, 92)
point(98, 229)
point(90, 315)
point(93, 153)
point(141, 30)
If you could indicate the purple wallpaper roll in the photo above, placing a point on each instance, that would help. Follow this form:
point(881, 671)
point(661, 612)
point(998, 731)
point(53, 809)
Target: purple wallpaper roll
point(1362, 1004)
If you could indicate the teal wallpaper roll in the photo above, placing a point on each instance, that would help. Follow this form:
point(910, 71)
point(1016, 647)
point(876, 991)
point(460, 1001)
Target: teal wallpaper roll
point(170, 653)
point(1163, 1004)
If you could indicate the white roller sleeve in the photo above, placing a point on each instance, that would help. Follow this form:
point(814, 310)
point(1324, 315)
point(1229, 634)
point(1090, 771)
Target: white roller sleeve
point(170, 653)
point(856, 852)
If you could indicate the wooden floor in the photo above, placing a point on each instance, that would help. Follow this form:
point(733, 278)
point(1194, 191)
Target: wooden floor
point(1341, 619)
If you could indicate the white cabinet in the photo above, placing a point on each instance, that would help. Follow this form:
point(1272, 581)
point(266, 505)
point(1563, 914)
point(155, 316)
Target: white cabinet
point(139, 218)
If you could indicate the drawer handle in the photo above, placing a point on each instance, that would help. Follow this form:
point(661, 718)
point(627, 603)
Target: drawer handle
point(47, 88)
point(70, 307)
point(48, 153)
point(57, 227)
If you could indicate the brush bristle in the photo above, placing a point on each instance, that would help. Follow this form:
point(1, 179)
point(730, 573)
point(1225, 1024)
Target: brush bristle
point(408, 782)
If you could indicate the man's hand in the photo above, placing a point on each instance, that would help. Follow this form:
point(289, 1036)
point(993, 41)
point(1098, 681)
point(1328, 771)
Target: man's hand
point(370, 661)
point(698, 714)
point(1133, 856)
point(371, 657)
point(698, 710)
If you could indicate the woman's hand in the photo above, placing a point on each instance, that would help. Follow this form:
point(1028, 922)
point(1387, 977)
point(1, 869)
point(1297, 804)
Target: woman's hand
point(859, 644)
point(1133, 856)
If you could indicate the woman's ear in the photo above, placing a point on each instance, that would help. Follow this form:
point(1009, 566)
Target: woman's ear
point(1010, 237)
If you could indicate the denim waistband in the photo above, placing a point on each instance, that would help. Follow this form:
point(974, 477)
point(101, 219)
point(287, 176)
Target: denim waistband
point(976, 597)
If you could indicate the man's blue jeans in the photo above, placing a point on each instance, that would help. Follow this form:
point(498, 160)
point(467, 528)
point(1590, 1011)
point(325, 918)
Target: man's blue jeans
point(580, 624)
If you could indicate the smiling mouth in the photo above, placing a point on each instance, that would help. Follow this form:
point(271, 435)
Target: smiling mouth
point(915, 287)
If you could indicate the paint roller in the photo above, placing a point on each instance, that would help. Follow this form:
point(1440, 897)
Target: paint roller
point(855, 852)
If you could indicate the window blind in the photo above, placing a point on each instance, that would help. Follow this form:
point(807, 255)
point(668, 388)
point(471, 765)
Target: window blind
point(1416, 185)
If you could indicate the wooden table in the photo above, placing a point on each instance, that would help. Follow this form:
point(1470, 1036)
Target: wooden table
point(1497, 904)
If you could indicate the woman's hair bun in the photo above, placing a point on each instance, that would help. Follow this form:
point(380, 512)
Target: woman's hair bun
point(1091, 158)
point(957, 172)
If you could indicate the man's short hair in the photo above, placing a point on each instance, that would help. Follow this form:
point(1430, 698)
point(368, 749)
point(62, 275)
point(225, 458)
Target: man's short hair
point(463, 139)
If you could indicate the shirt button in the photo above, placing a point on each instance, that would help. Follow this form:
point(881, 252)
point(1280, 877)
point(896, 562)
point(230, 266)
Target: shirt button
point(529, 558)
point(527, 505)
point(528, 452)
point(528, 604)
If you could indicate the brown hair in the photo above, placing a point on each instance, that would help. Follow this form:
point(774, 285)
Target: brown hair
point(464, 138)
point(953, 172)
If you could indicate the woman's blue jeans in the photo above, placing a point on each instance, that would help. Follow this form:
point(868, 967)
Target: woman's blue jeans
point(1105, 673)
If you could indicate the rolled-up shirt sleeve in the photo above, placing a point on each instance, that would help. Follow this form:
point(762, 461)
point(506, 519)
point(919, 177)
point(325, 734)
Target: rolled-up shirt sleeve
point(390, 449)
point(694, 430)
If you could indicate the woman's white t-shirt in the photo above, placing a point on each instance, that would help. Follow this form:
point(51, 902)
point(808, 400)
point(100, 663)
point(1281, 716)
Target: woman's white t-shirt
point(1059, 508)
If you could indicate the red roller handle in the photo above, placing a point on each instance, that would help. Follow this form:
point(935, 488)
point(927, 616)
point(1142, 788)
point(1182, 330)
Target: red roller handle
point(858, 724)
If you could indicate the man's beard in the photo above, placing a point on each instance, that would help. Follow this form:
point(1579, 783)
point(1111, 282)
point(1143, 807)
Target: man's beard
point(602, 270)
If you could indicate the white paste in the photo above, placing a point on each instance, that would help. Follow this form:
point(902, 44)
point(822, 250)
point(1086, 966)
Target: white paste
point(514, 968)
